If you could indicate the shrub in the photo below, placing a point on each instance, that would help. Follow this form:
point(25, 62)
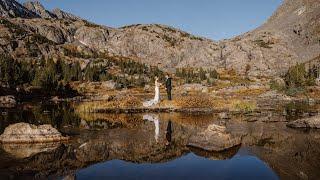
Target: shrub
point(15, 73)
point(297, 76)
point(245, 106)
point(263, 44)
point(196, 75)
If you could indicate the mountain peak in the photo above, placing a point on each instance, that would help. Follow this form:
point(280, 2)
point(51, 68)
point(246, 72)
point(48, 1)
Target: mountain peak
point(60, 14)
point(11, 8)
point(37, 7)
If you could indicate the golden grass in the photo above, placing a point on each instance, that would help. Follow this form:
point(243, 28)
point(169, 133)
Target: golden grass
point(194, 101)
point(125, 102)
point(127, 120)
point(246, 106)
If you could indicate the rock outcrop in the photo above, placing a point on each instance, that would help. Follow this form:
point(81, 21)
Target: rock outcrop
point(27, 133)
point(7, 101)
point(312, 122)
point(64, 15)
point(214, 138)
point(11, 8)
point(37, 8)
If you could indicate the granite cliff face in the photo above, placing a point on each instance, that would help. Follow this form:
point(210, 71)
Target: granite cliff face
point(11, 8)
point(291, 35)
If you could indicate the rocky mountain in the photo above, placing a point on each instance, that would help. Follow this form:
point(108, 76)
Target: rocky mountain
point(36, 7)
point(64, 15)
point(290, 36)
point(10, 8)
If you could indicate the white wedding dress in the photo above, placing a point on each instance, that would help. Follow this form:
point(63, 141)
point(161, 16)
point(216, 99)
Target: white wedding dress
point(156, 98)
point(155, 119)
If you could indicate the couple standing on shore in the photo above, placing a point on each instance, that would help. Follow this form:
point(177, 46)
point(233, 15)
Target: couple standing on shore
point(157, 99)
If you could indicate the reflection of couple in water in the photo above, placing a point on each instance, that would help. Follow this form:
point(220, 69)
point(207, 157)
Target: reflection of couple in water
point(156, 100)
point(155, 119)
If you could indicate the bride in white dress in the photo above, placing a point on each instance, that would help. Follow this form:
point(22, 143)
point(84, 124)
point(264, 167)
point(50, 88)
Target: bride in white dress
point(156, 99)
point(155, 119)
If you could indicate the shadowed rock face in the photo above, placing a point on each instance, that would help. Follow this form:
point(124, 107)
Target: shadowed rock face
point(11, 8)
point(313, 122)
point(291, 35)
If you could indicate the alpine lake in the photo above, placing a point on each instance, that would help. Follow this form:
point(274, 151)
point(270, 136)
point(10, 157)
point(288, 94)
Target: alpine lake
point(126, 146)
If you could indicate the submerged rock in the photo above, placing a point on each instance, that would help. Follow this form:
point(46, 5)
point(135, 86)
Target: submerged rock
point(214, 138)
point(312, 122)
point(28, 133)
point(21, 151)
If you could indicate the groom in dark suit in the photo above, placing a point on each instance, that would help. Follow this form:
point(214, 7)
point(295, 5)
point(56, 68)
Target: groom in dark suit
point(169, 87)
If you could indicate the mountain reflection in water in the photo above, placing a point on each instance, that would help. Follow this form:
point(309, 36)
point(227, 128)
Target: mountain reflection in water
point(189, 166)
point(145, 146)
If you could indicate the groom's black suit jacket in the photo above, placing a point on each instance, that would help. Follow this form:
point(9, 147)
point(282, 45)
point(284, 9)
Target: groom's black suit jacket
point(169, 84)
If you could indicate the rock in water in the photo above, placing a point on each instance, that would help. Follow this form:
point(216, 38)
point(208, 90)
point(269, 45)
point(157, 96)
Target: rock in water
point(21, 151)
point(214, 138)
point(312, 122)
point(7, 101)
point(28, 133)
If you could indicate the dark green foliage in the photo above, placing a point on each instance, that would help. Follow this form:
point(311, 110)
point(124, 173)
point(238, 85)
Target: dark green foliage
point(297, 76)
point(263, 44)
point(48, 76)
point(94, 73)
point(296, 79)
point(90, 24)
point(37, 38)
point(54, 77)
point(196, 75)
point(171, 40)
point(131, 74)
point(14, 73)
point(276, 86)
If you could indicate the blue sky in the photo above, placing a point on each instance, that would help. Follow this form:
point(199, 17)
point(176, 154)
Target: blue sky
point(214, 19)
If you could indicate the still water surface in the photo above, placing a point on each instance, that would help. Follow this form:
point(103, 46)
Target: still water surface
point(190, 166)
point(154, 146)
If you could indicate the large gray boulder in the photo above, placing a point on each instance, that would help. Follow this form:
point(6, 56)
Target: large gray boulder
point(28, 133)
point(214, 138)
point(312, 122)
point(7, 101)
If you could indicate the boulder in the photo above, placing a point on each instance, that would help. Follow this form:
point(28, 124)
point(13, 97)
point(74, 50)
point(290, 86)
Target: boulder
point(312, 122)
point(195, 87)
point(317, 81)
point(274, 95)
point(214, 138)
point(7, 101)
point(278, 81)
point(28, 133)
